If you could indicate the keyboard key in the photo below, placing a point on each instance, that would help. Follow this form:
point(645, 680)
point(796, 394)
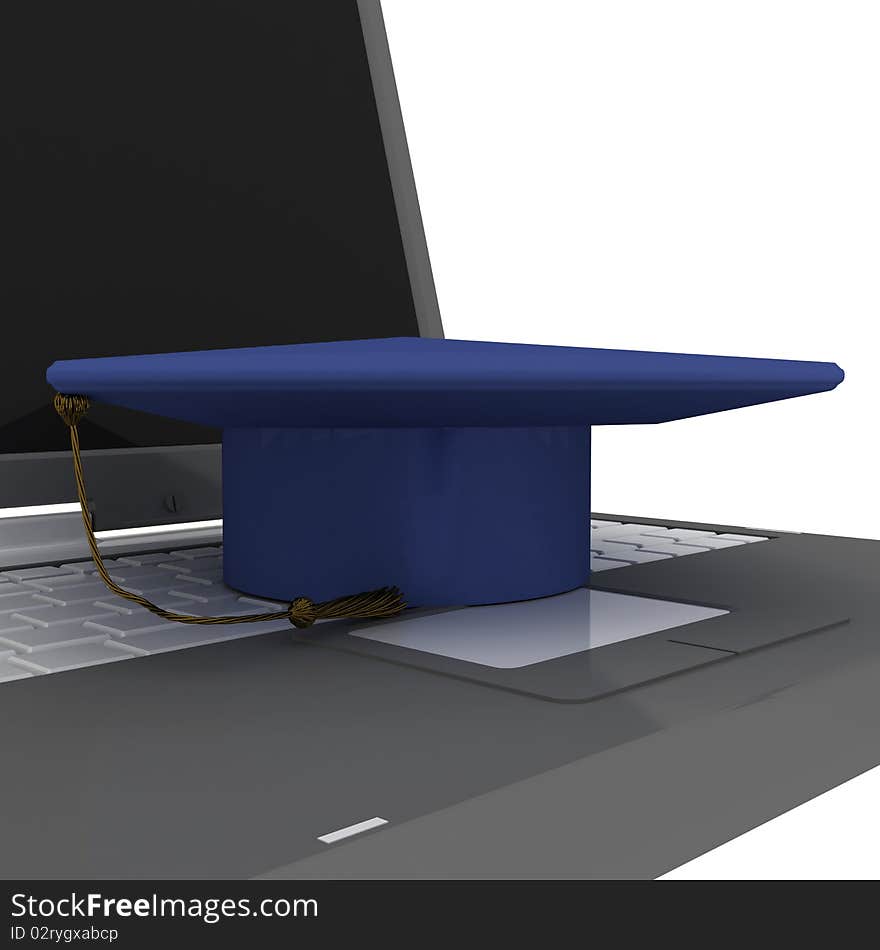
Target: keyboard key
point(673, 548)
point(192, 553)
point(9, 605)
point(623, 552)
point(34, 639)
point(204, 567)
point(10, 623)
point(715, 543)
point(9, 672)
point(117, 604)
point(632, 537)
point(635, 555)
point(605, 564)
point(177, 599)
point(84, 567)
point(745, 538)
point(126, 574)
point(125, 625)
point(624, 529)
point(47, 585)
point(197, 574)
point(678, 533)
point(73, 657)
point(58, 615)
point(597, 523)
point(626, 540)
point(149, 585)
point(11, 588)
point(204, 595)
point(29, 573)
point(86, 593)
point(139, 560)
point(143, 586)
point(639, 540)
point(187, 635)
point(195, 580)
point(229, 606)
point(206, 562)
point(198, 577)
point(642, 556)
point(175, 602)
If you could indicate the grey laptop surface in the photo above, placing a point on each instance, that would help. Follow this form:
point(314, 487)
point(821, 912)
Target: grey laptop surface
point(196, 175)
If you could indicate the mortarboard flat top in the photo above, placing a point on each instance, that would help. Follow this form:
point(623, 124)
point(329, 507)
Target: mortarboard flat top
point(458, 471)
point(424, 382)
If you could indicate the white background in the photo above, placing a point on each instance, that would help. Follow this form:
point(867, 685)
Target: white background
point(833, 837)
point(687, 175)
point(667, 175)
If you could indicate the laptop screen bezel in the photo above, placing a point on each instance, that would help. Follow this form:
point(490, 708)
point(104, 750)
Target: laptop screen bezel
point(122, 482)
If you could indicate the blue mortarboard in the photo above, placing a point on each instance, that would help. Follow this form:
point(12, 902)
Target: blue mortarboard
point(458, 471)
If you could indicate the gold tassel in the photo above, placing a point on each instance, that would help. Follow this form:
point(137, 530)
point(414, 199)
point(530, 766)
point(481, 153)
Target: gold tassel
point(301, 612)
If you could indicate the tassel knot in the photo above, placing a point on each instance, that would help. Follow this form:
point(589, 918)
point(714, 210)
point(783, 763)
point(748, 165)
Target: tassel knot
point(71, 408)
point(302, 613)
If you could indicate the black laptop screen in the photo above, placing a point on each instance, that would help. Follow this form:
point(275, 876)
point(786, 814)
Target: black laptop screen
point(185, 175)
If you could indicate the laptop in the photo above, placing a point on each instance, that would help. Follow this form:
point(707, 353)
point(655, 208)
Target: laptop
point(190, 176)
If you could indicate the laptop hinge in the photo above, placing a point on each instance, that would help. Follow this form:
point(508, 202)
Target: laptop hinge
point(54, 538)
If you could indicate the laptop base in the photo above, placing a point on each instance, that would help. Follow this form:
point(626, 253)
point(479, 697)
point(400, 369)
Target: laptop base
point(233, 760)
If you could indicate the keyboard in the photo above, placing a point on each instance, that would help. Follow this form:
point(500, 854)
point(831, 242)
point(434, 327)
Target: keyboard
point(62, 617)
point(616, 544)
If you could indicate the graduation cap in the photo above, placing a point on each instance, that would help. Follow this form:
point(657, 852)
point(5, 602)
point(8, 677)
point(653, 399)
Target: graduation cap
point(457, 471)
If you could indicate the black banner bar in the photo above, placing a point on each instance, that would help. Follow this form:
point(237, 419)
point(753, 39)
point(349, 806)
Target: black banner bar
point(131, 914)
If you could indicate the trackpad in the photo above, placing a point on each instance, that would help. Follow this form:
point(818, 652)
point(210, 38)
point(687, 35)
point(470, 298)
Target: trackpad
point(508, 636)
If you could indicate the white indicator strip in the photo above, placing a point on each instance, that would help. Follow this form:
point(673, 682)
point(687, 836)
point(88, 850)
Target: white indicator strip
point(335, 836)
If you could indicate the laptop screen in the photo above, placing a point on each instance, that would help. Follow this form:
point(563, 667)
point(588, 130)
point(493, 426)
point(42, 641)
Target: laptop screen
point(185, 175)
